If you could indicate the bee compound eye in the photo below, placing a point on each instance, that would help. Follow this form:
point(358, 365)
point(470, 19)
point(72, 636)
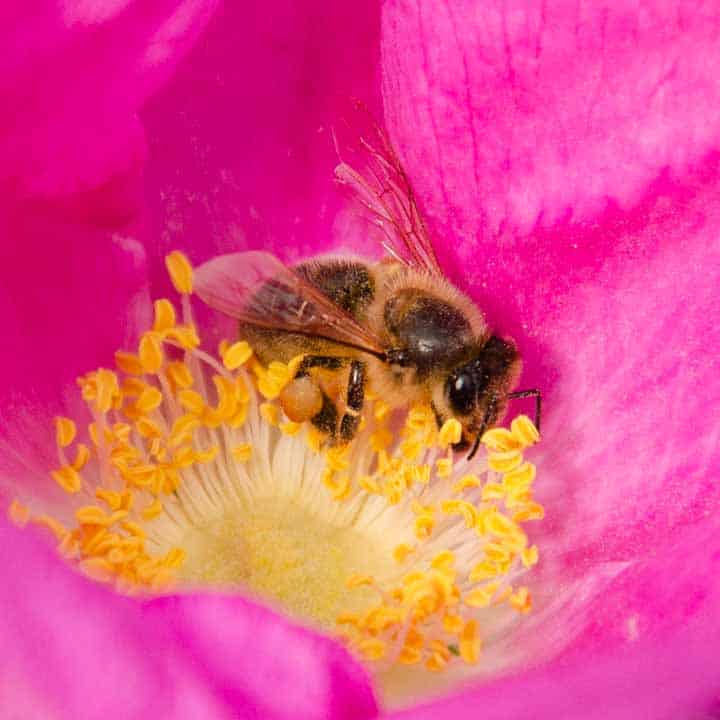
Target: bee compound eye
point(462, 392)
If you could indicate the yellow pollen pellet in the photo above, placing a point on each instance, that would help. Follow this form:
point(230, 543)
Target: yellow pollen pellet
point(180, 270)
point(524, 431)
point(242, 453)
point(401, 552)
point(128, 363)
point(164, 315)
point(18, 513)
point(236, 355)
point(67, 478)
point(65, 431)
point(270, 413)
point(151, 354)
point(450, 433)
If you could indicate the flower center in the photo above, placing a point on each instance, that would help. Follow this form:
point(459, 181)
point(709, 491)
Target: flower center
point(189, 475)
point(282, 551)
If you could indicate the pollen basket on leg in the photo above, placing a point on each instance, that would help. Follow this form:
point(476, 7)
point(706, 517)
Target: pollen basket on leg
point(189, 471)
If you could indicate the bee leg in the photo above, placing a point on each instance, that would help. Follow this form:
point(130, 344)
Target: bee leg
point(538, 400)
point(327, 362)
point(327, 419)
point(355, 399)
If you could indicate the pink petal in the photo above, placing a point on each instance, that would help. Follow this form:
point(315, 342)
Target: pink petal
point(67, 304)
point(513, 115)
point(72, 80)
point(258, 660)
point(69, 648)
point(514, 153)
point(672, 673)
point(240, 150)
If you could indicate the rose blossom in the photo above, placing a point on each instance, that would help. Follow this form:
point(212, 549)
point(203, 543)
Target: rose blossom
point(566, 163)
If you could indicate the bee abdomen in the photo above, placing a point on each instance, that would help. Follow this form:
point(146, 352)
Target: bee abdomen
point(347, 283)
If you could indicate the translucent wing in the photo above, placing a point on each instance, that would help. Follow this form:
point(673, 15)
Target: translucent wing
point(257, 289)
point(375, 173)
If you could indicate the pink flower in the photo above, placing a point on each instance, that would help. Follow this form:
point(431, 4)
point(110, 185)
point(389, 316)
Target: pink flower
point(566, 160)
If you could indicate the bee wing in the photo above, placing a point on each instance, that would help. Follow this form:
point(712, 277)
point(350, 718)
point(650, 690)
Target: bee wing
point(258, 289)
point(385, 190)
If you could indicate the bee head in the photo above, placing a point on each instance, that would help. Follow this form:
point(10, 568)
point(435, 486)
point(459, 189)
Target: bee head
point(476, 392)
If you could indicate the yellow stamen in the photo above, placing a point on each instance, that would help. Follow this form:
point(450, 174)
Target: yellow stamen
point(164, 316)
point(68, 478)
point(524, 431)
point(237, 355)
point(65, 431)
point(151, 354)
point(180, 271)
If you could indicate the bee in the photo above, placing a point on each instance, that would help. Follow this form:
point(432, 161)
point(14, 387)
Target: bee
point(398, 327)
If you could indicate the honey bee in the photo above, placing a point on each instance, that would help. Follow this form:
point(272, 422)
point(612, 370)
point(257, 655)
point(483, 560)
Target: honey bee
point(397, 327)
